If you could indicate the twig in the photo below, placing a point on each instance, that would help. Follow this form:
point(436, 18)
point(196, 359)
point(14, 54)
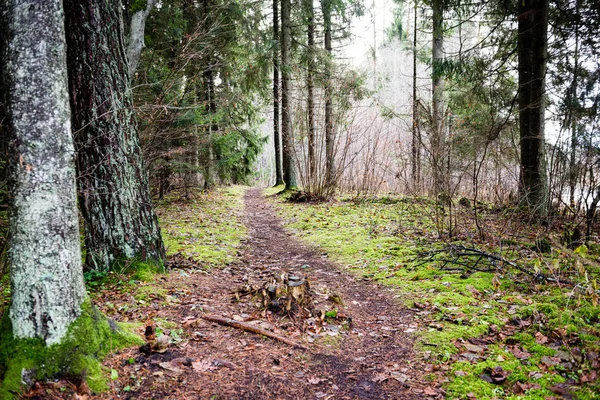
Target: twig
point(252, 329)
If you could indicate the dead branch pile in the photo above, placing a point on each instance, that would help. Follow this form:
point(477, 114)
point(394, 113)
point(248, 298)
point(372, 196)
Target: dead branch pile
point(467, 260)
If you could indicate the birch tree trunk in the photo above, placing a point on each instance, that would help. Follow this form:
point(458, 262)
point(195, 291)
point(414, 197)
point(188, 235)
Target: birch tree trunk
point(289, 170)
point(120, 223)
point(135, 42)
point(45, 256)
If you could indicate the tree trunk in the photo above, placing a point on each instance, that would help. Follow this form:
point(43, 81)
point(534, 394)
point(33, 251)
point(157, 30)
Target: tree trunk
point(574, 117)
point(312, 161)
point(135, 42)
point(289, 171)
point(532, 52)
point(415, 113)
point(120, 222)
point(329, 131)
point(45, 255)
point(437, 88)
point(276, 129)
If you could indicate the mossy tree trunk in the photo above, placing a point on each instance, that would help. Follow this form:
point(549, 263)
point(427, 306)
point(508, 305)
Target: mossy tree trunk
point(45, 256)
point(120, 222)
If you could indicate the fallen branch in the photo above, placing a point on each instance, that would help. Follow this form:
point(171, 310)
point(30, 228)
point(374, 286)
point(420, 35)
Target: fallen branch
point(464, 253)
point(252, 329)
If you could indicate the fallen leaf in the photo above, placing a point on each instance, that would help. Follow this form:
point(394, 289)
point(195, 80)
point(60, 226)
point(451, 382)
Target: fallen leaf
point(224, 363)
point(315, 381)
point(170, 367)
point(400, 377)
point(202, 366)
point(381, 378)
point(519, 354)
point(473, 348)
point(521, 388)
point(540, 338)
point(429, 391)
point(549, 361)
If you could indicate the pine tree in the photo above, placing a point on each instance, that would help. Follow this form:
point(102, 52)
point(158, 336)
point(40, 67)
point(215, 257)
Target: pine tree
point(120, 223)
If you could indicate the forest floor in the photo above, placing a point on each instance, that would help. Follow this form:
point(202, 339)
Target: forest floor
point(364, 351)
point(391, 312)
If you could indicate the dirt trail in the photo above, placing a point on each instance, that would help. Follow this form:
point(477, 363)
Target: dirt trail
point(373, 359)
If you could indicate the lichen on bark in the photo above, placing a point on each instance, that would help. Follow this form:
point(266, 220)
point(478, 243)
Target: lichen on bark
point(45, 256)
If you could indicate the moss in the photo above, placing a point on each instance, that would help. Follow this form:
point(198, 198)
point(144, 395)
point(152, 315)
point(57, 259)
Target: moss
point(89, 339)
point(147, 293)
point(207, 228)
point(274, 190)
point(384, 239)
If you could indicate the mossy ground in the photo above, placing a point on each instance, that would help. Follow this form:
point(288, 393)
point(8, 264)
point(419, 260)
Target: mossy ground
point(384, 239)
point(207, 227)
point(89, 339)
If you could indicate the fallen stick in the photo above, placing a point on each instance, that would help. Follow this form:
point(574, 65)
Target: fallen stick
point(253, 329)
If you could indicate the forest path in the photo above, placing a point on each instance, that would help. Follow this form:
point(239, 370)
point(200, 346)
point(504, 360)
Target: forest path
point(372, 358)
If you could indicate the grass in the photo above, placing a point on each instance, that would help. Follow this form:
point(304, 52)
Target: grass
point(384, 239)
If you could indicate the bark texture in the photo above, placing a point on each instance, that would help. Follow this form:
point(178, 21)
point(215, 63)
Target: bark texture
point(120, 222)
point(135, 44)
point(45, 256)
point(310, 86)
point(437, 103)
point(532, 45)
point(276, 127)
point(329, 129)
point(289, 170)
point(415, 163)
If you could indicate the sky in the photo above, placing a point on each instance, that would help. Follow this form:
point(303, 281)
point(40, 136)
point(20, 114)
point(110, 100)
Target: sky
point(368, 30)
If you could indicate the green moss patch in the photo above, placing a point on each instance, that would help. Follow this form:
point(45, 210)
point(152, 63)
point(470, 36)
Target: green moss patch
point(206, 228)
point(89, 339)
point(387, 239)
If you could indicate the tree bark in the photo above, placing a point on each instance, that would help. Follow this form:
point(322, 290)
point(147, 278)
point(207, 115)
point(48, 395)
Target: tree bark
point(437, 105)
point(310, 85)
point(532, 52)
point(276, 127)
point(329, 129)
point(45, 255)
point(289, 170)
point(120, 223)
point(135, 42)
point(574, 116)
point(416, 141)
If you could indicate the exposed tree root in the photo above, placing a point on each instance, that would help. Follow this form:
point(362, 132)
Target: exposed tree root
point(253, 329)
